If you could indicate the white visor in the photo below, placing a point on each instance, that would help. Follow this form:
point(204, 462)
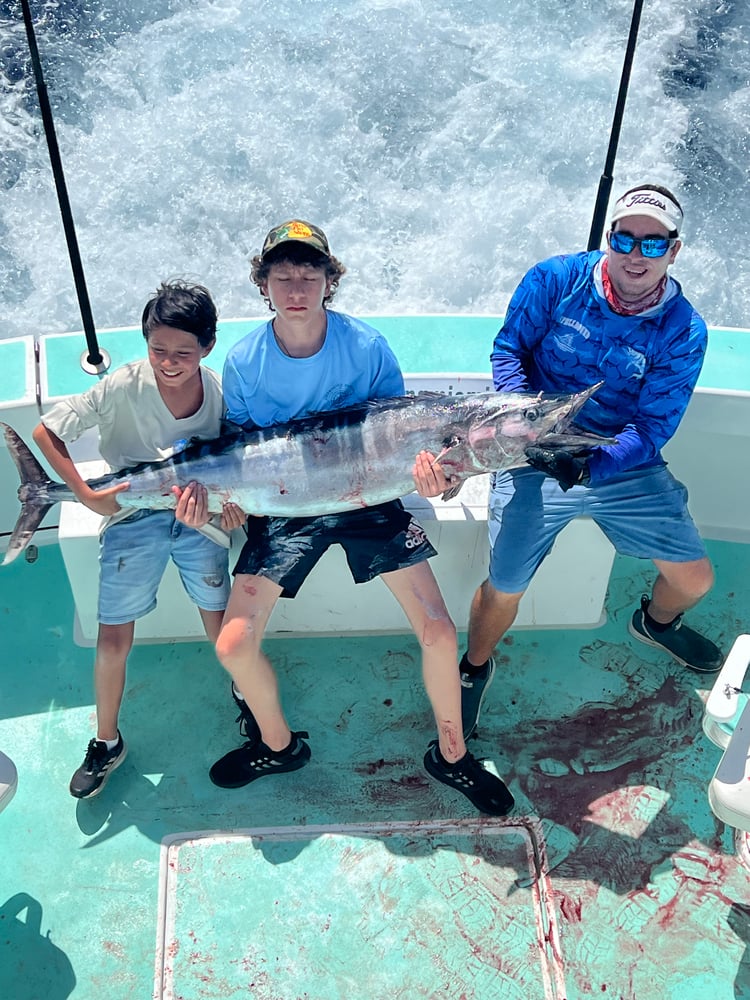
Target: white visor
point(645, 201)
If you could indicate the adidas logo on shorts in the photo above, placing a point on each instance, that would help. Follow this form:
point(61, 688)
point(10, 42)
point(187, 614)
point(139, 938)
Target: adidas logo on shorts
point(415, 536)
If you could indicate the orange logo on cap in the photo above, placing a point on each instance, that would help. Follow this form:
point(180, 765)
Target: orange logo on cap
point(298, 231)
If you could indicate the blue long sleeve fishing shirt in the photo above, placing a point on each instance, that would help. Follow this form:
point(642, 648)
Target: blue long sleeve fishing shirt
point(560, 336)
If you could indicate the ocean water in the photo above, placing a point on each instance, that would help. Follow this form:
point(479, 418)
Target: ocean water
point(444, 145)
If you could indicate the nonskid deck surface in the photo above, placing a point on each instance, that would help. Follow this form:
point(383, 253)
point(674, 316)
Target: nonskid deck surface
point(403, 909)
point(397, 888)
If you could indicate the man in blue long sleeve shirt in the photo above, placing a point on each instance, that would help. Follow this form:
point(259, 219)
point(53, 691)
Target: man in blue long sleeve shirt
point(573, 321)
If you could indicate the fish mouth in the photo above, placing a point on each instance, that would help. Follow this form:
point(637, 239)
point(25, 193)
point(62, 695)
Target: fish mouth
point(573, 407)
point(565, 434)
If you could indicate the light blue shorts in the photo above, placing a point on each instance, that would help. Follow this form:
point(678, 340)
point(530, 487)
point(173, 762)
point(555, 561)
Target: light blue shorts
point(643, 513)
point(133, 555)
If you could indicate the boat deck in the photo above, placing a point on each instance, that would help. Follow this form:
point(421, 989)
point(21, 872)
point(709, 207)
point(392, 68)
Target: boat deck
point(359, 876)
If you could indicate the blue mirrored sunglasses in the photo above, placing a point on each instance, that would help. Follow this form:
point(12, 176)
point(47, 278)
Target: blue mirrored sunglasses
point(650, 246)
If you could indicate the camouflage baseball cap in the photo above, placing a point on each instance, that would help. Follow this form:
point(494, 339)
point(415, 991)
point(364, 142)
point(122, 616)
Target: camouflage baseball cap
point(298, 232)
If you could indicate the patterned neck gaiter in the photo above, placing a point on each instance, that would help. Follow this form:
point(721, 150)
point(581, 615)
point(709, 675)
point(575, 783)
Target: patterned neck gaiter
point(631, 308)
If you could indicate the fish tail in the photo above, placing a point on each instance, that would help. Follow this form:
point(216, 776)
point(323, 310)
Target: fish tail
point(34, 494)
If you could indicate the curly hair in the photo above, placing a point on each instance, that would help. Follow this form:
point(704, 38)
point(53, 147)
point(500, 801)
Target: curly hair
point(297, 254)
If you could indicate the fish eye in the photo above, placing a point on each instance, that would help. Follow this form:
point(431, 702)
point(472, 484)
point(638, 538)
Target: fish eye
point(531, 414)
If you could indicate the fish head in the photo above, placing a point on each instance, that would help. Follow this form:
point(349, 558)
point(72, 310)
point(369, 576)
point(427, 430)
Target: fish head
point(498, 427)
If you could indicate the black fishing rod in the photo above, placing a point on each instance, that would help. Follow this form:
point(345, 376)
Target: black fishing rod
point(605, 181)
point(94, 361)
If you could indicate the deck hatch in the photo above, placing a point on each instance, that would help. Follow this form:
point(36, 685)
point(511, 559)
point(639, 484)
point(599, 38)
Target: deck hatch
point(407, 909)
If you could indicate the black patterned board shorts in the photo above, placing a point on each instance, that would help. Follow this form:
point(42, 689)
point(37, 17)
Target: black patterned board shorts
point(376, 540)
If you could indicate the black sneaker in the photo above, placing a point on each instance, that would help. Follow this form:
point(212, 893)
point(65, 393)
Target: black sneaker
point(473, 689)
point(485, 790)
point(249, 728)
point(254, 760)
point(685, 645)
point(97, 766)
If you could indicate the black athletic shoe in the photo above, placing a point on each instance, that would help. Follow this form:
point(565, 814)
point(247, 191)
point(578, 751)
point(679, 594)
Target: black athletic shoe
point(97, 766)
point(486, 791)
point(473, 689)
point(249, 728)
point(254, 760)
point(684, 644)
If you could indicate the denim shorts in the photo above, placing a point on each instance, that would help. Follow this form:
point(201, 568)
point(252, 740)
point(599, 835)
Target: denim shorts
point(643, 512)
point(376, 540)
point(133, 555)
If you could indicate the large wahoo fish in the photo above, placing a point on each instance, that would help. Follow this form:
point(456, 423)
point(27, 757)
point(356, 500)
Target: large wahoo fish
point(328, 462)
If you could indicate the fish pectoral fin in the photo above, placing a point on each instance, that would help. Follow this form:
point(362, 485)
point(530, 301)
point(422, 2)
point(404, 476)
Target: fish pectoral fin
point(453, 491)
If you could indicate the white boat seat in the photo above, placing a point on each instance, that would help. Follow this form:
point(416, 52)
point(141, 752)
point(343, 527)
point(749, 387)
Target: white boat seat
point(330, 603)
point(726, 722)
point(729, 789)
point(726, 701)
point(8, 780)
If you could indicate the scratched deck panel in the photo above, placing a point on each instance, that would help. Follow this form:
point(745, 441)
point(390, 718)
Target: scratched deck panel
point(391, 914)
point(596, 734)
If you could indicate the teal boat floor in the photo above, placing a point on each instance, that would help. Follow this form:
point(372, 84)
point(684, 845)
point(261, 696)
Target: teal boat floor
point(597, 735)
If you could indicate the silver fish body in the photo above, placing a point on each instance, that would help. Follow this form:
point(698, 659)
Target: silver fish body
point(328, 462)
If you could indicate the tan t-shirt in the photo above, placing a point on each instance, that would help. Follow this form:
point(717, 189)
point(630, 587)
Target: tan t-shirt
point(134, 423)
